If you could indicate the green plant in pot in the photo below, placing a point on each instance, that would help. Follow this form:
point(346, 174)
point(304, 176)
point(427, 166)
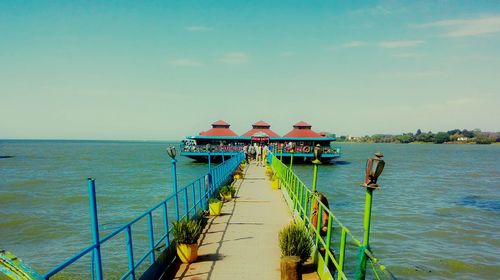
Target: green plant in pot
point(295, 245)
point(227, 192)
point(214, 206)
point(275, 182)
point(186, 233)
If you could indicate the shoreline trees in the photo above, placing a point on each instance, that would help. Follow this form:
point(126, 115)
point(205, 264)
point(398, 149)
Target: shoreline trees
point(455, 136)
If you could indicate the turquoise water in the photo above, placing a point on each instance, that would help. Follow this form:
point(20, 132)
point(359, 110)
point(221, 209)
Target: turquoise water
point(435, 217)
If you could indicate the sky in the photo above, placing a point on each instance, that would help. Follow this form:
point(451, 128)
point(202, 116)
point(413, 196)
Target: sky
point(162, 70)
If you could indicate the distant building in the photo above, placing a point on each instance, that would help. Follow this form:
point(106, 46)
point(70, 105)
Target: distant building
point(462, 139)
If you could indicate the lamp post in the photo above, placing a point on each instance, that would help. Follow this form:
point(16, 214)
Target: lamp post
point(208, 147)
point(172, 153)
point(222, 152)
point(317, 156)
point(281, 151)
point(292, 150)
point(374, 167)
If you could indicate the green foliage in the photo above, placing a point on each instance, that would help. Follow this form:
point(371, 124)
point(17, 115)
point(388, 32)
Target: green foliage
point(244, 161)
point(213, 200)
point(186, 231)
point(227, 190)
point(441, 137)
point(454, 135)
point(485, 139)
point(295, 241)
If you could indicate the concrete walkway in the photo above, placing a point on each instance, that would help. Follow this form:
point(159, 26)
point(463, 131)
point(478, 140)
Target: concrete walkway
point(242, 243)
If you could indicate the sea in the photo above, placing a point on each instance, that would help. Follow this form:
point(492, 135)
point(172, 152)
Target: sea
point(435, 216)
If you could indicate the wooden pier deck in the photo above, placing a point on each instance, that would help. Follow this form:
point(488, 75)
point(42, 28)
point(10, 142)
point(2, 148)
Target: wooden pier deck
point(242, 243)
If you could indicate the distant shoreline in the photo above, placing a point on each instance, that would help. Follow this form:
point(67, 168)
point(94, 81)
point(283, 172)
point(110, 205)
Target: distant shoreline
point(418, 143)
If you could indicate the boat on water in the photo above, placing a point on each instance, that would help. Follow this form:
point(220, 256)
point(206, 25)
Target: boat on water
point(220, 142)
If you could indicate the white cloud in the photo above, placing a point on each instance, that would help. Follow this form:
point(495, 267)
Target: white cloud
point(185, 62)
point(353, 44)
point(466, 27)
point(400, 44)
point(235, 58)
point(199, 28)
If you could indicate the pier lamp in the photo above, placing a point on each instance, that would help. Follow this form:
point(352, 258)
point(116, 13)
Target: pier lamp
point(318, 152)
point(172, 153)
point(374, 167)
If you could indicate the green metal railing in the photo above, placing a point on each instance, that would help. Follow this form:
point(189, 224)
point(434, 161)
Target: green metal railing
point(301, 200)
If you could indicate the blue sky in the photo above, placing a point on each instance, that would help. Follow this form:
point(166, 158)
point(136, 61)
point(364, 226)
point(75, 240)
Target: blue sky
point(166, 69)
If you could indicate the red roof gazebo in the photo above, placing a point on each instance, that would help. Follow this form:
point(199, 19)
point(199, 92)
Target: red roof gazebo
point(261, 126)
point(219, 128)
point(302, 130)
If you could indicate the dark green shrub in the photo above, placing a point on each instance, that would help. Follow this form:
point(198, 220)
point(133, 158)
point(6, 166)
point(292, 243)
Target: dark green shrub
point(213, 200)
point(295, 241)
point(186, 231)
point(227, 190)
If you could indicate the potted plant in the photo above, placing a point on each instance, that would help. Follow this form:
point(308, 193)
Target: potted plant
point(214, 206)
point(186, 233)
point(238, 174)
point(269, 169)
point(227, 192)
point(243, 163)
point(275, 182)
point(295, 246)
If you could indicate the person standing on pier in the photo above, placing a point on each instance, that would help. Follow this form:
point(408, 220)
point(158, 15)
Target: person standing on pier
point(258, 152)
point(265, 150)
point(245, 150)
point(251, 151)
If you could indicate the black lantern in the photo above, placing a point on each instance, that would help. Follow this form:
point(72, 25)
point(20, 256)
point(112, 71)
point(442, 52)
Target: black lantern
point(374, 167)
point(171, 152)
point(317, 154)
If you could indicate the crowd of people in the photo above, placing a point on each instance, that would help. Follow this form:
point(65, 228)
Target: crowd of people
point(256, 152)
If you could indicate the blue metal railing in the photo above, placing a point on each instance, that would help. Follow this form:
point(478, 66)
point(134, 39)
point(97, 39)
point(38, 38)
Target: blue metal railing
point(207, 186)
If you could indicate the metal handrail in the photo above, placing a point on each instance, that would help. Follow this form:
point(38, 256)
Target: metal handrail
point(216, 178)
point(300, 199)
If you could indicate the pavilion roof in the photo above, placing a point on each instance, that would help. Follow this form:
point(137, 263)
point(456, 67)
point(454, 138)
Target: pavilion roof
point(261, 126)
point(219, 128)
point(302, 130)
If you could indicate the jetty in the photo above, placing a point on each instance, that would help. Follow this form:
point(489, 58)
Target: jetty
point(242, 242)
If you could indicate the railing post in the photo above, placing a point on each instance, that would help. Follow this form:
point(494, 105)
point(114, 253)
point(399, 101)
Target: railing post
point(130, 251)
point(176, 197)
point(361, 271)
point(315, 177)
point(151, 238)
point(193, 198)
point(342, 249)
point(165, 223)
point(186, 202)
point(95, 227)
